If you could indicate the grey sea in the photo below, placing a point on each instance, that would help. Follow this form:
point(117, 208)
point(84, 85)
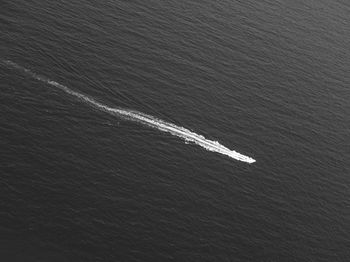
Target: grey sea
point(175, 130)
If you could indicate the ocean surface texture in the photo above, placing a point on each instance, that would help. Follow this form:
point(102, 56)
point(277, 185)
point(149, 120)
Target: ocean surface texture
point(175, 130)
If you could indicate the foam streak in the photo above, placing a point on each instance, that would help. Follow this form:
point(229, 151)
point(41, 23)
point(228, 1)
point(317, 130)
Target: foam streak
point(141, 118)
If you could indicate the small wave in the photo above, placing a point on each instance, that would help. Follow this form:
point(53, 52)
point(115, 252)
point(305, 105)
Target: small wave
point(141, 118)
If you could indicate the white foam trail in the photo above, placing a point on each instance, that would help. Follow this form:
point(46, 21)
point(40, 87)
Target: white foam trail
point(139, 117)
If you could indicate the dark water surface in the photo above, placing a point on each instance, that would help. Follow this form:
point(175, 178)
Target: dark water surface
point(269, 79)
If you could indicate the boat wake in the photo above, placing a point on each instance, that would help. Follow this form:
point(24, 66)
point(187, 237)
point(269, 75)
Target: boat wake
point(141, 118)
